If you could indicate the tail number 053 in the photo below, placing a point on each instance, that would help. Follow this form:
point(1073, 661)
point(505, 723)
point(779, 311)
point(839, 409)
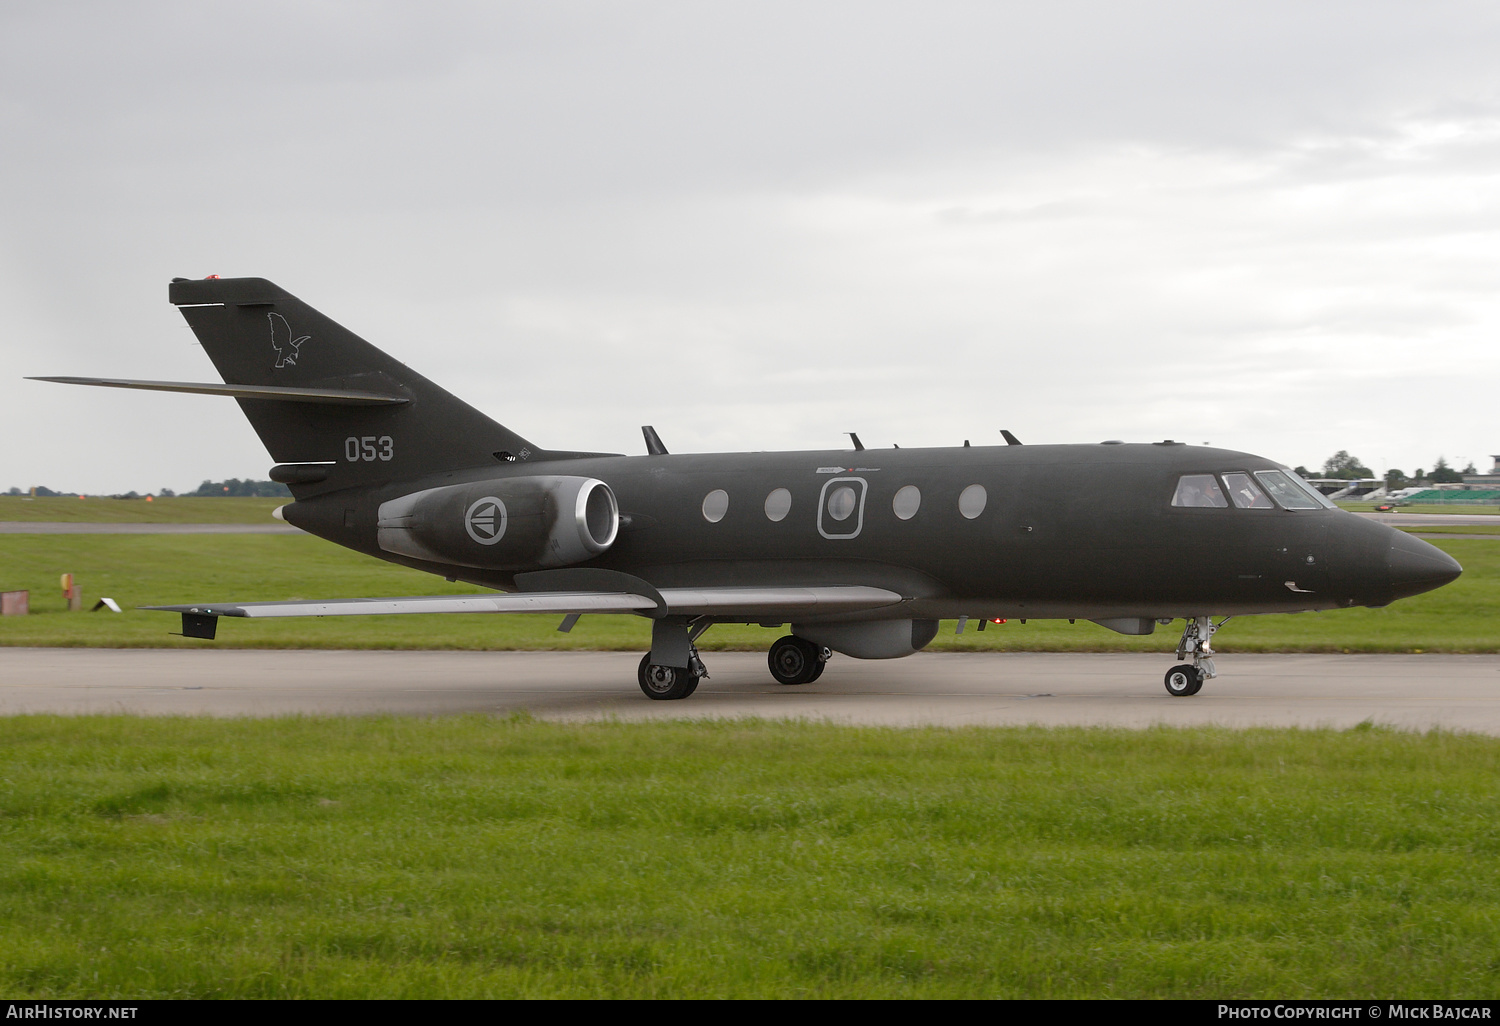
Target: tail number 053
point(369, 448)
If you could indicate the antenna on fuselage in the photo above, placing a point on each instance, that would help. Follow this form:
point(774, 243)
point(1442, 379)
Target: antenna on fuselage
point(653, 441)
point(858, 445)
point(1010, 439)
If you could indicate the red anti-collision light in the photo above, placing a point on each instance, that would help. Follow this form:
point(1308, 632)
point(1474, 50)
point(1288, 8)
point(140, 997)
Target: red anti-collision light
point(212, 277)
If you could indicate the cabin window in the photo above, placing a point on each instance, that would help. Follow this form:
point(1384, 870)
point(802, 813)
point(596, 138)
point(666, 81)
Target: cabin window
point(1244, 493)
point(841, 508)
point(841, 502)
point(1199, 490)
point(972, 500)
point(778, 505)
point(1285, 491)
point(907, 501)
point(715, 505)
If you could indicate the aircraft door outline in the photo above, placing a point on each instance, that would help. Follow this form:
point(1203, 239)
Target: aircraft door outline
point(831, 500)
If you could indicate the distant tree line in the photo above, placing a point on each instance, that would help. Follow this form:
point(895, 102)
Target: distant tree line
point(1346, 467)
point(233, 487)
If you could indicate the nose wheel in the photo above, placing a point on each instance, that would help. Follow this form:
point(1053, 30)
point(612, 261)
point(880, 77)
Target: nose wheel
point(1186, 679)
point(794, 660)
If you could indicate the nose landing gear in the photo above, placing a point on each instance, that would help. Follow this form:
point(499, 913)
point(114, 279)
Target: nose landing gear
point(1187, 679)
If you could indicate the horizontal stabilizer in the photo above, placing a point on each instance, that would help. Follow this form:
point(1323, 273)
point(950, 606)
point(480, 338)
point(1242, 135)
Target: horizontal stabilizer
point(284, 393)
point(725, 602)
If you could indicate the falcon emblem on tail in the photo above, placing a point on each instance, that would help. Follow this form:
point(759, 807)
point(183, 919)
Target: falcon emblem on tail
point(286, 347)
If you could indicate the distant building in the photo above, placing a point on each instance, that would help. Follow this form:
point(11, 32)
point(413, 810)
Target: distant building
point(1486, 481)
point(1344, 488)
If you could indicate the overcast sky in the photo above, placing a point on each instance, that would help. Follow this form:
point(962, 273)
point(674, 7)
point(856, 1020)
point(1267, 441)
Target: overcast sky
point(1270, 226)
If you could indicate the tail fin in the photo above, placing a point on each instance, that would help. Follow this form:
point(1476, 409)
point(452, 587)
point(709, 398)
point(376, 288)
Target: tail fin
point(257, 334)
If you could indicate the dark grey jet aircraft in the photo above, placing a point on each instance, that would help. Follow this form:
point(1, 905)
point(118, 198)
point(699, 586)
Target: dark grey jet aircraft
point(861, 552)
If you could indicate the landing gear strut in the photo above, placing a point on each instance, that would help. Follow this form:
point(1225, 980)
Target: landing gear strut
point(1187, 679)
point(794, 660)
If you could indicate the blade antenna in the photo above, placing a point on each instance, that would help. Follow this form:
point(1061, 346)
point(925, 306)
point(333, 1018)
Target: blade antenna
point(1010, 439)
point(854, 437)
point(653, 441)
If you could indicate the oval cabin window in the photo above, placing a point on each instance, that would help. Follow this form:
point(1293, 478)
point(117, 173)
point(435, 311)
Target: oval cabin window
point(972, 500)
point(715, 505)
point(778, 505)
point(907, 501)
point(841, 502)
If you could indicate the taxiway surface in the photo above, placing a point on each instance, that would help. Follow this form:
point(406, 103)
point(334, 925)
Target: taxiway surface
point(1411, 691)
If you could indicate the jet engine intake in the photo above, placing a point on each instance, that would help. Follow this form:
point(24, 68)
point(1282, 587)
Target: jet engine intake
point(511, 523)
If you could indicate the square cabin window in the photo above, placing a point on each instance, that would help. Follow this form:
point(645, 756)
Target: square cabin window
point(1199, 490)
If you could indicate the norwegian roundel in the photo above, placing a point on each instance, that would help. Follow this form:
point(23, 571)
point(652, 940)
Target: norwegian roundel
point(485, 520)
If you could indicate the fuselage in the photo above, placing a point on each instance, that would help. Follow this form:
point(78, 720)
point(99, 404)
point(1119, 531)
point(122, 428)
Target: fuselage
point(1043, 531)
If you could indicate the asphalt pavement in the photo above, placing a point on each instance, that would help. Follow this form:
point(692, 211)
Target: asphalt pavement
point(1418, 692)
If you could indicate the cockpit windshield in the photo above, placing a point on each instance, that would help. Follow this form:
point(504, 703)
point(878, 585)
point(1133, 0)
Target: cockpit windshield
point(1199, 490)
point(1289, 492)
point(1244, 493)
point(1323, 500)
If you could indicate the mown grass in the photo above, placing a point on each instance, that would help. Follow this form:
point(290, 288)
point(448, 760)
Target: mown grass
point(1480, 529)
point(140, 570)
point(179, 510)
point(473, 857)
point(1427, 507)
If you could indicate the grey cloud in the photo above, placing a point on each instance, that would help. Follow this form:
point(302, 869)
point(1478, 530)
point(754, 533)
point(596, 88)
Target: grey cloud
point(761, 225)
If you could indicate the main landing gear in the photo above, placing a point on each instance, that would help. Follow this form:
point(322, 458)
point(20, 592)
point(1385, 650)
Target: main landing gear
point(665, 683)
point(794, 660)
point(1187, 679)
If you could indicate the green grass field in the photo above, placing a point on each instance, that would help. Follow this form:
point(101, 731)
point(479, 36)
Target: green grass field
point(185, 510)
point(474, 857)
point(172, 569)
point(1431, 507)
point(1479, 529)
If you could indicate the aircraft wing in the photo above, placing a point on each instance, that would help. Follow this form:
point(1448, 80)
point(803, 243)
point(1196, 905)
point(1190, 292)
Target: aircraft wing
point(747, 602)
point(556, 602)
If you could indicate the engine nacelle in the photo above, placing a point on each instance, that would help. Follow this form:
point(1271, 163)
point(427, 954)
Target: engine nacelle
point(512, 523)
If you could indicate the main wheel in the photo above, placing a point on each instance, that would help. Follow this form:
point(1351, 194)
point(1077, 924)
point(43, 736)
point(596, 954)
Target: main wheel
point(664, 683)
point(1183, 680)
point(794, 661)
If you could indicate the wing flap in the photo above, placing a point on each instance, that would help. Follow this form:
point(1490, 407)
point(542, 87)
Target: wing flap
point(773, 601)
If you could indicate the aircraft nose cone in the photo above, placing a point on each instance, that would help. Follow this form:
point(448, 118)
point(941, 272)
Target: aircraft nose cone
point(1415, 566)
